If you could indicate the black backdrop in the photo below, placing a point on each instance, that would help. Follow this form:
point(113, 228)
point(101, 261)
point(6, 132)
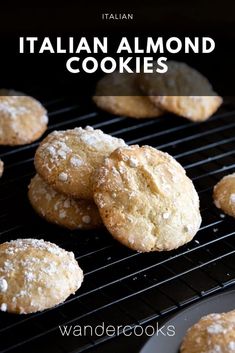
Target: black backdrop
point(183, 18)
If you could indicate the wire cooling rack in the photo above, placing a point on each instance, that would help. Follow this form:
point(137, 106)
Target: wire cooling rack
point(122, 287)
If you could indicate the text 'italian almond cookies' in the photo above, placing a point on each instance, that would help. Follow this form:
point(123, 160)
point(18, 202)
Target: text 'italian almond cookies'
point(224, 194)
point(36, 275)
point(62, 210)
point(22, 118)
point(214, 333)
point(67, 160)
point(181, 90)
point(146, 200)
point(119, 94)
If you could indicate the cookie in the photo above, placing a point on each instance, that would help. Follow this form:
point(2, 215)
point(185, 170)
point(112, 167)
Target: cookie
point(67, 160)
point(1, 168)
point(214, 333)
point(36, 275)
point(132, 105)
point(59, 209)
point(182, 91)
point(146, 200)
point(22, 118)
point(224, 194)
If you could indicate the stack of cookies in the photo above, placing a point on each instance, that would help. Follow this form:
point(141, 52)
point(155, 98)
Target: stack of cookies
point(181, 90)
point(66, 162)
point(142, 195)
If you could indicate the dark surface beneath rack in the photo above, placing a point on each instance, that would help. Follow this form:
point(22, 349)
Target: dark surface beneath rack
point(122, 287)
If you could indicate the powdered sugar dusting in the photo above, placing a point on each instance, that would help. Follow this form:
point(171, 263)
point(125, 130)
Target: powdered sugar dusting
point(60, 209)
point(63, 176)
point(75, 161)
point(24, 244)
point(231, 346)
point(30, 276)
point(74, 148)
point(62, 214)
point(215, 329)
point(11, 109)
point(57, 150)
point(133, 162)
point(3, 285)
point(232, 198)
point(216, 349)
point(165, 215)
point(97, 139)
point(3, 307)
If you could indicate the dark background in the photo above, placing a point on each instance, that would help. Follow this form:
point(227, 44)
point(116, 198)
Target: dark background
point(33, 73)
